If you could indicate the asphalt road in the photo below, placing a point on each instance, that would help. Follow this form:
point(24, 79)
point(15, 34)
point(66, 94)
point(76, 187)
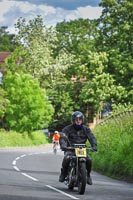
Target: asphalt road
point(32, 174)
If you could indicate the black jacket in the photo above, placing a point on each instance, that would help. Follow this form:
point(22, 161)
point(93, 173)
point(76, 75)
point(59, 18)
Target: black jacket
point(77, 136)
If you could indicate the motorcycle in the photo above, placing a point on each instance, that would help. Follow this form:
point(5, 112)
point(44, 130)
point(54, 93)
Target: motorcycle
point(55, 147)
point(77, 174)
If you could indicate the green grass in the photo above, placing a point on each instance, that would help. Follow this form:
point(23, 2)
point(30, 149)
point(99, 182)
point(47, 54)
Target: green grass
point(115, 148)
point(14, 139)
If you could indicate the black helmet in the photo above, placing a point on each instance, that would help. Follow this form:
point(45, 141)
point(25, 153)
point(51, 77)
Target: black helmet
point(77, 115)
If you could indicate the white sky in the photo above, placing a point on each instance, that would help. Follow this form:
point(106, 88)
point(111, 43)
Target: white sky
point(11, 11)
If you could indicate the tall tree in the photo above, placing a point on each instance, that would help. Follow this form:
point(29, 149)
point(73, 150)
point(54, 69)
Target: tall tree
point(76, 37)
point(34, 55)
point(116, 39)
point(35, 52)
point(92, 80)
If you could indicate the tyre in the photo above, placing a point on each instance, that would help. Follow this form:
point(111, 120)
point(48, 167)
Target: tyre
point(82, 178)
point(71, 176)
point(55, 150)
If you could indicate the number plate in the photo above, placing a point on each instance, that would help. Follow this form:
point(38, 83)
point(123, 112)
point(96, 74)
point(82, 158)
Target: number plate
point(80, 152)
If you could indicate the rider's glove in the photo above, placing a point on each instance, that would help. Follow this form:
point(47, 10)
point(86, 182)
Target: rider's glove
point(94, 148)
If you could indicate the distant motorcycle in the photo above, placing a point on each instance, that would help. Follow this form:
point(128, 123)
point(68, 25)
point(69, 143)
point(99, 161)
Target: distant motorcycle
point(77, 174)
point(55, 146)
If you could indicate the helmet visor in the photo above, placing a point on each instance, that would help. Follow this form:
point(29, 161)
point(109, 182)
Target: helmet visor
point(78, 118)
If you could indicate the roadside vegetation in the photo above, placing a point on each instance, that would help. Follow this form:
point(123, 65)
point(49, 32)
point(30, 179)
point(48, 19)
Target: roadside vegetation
point(115, 148)
point(15, 139)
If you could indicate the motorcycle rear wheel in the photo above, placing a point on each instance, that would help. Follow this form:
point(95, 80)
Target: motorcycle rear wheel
point(82, 178)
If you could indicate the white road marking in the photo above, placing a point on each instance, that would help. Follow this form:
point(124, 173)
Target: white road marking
point(34, 179)
point(16, 168)
point(17, 158)
point(53, 188)
point(14, 162)
point(22, 155)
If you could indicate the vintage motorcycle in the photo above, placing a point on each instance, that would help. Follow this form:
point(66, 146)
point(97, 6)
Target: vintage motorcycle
point(77, 174)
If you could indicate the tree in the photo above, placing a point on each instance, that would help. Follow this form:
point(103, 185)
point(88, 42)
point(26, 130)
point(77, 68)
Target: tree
point(115, 38)
point(100, 89)
point(35, 52)
point(34, 55)
point(29, 107)
point(6, 40)
point(100, 86)
point(92, 64)
point(76, 37)
point(63, 104)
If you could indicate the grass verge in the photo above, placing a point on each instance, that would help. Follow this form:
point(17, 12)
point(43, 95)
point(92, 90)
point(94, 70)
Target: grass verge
point(115, 148)
point(14, 139)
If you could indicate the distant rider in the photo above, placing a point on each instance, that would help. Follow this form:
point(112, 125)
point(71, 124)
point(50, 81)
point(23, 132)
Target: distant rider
point(55, 139)
point(77, 133)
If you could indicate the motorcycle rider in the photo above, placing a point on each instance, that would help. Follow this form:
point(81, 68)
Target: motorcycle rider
point(55, 139)
point(77, 133)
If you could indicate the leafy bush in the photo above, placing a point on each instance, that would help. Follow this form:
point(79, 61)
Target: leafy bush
point(38, 138)
point(29, 107)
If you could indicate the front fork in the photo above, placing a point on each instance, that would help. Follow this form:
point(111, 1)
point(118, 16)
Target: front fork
point(71, 170)
point(79, 160)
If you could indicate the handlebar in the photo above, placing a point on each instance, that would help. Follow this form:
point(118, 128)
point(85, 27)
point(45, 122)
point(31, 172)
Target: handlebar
point(79, 146)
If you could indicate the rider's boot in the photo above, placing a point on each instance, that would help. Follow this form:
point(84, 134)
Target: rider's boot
point(62, 175)
point(88, 166)
point(89, 179)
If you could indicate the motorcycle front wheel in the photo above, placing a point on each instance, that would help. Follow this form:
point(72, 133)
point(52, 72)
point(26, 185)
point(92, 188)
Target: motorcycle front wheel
point(55, 150)
point(82, 178)
point(71, 176)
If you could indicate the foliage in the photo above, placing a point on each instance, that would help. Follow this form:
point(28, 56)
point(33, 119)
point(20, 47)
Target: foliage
point(3, 102)
point(118, 108)
point(34, 55)
point(95, 52)
point(6, 40)
point(35, 52)
point(64, 105)
point(115, 38)
point(76, 36)
point(100, 86)
point(94, 83)
point(115, 147)
point(15, 139)
point(29, 107)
